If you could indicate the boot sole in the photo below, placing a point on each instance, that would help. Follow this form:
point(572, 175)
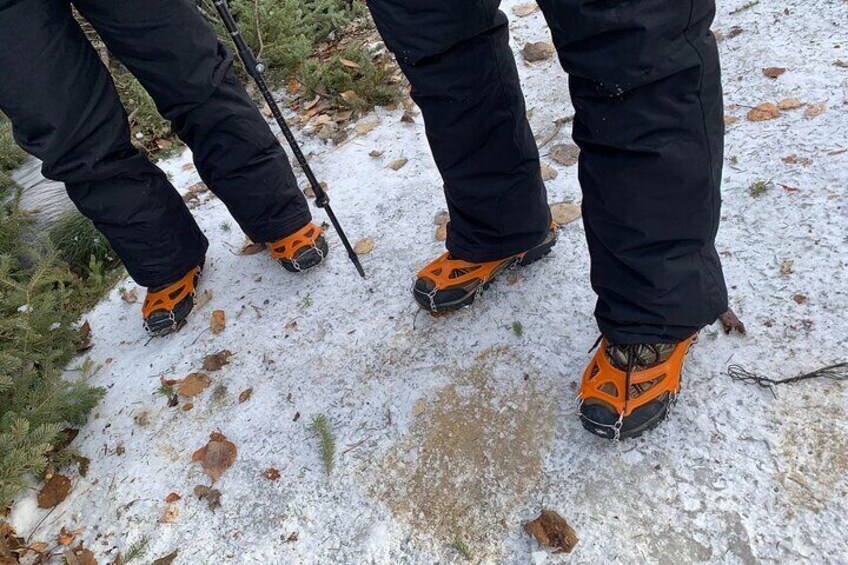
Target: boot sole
point(608, 433)
point(309, 259)
point(468, 299)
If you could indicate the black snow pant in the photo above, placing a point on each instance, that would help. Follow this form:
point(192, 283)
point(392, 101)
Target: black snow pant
point(65, 110)
point(645, 82)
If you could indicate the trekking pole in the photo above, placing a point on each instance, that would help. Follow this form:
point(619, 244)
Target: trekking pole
point(256, 69)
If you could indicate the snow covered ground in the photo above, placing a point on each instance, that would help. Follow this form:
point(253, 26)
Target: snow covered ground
point(456, 428)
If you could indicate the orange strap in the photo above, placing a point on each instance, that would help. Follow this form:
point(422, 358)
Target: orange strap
point(600, 374)
point(445, 271)
point(167, 298)
point(287, 247)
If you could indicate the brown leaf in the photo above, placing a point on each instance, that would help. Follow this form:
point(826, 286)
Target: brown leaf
point(548, 173)
point(773, 72)
point(364, 127)
point(266, 110)
point(795, 160)
point(271, 474)
point(164, 143)
point(215, 361)
point(216, 456)
point(551, 530)
point(198, 188)
point(789, 104)
point(815, 110)
point(364, 246)
point(187, 166)
point(348, 63)
point(218, 322)
point(84, 343)
point(408, 117)
point(799, 298)
point(763, 112)
point(167, 560)
point(523, 10)
point(565, 154)
point(251, 248)
point(129, 296)
point(565, 212)
point(441, 232)
point(79, 556)
point(245, 395)
point(54, 491)
point(212, 496)
point(172, 497)
point(171, 513)
point(730, 322)
point(537, 51)
point(398, 164)
point(193, 385)
point(66, 536)
point(375, 153)
point(187, 407)
point(730, 120)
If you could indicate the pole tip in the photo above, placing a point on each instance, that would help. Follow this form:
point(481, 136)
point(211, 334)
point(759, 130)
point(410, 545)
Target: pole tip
point(355, 259)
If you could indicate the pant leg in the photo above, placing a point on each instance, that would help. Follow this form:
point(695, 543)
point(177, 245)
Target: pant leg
point(65, 110)
point(176, 56)
point(457, 58)
point(645, 83)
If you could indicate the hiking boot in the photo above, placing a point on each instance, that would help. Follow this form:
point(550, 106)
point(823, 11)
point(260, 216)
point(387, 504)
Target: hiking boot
point(166, 307)
point(301, 250)
point(448, 284)
point(628, 389)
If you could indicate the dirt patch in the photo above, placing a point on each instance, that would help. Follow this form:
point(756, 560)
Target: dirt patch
point(470, 459)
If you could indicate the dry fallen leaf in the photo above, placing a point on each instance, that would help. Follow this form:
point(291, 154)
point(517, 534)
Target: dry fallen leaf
point(211, 495)
point(245, 395)
point(215, 361)
point(398, 164)
point(218, 322)
point(203, 299)
point(271, 474)
point(84, 338)
point(66, 536)
point(763, 112)
point(364, 127)
point(537, 51)
point(375, 153)
point(187, 166)
point(54, 491)
point(799, 298)
point(172, 497)
point(348, 63)
point(730, 322)
point(730, 120)
point(565, 154)
point(193, 385)
point(167, 560)
point(364, 246)
point(164, 143)
point(773, 72)
point(441, 232)
point(198, 188)
point(79, 556)
point(171, 513)
point(548, 173)
point(251, 248)
point(216, 456)
point(789, 104)
point(187, 407)
point(815, 110)
point(565, 212)
point(523, 10)
point(551, 530)
point(129, 296)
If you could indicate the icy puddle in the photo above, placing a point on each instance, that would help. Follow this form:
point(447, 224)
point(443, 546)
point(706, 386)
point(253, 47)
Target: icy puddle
point(471, 456)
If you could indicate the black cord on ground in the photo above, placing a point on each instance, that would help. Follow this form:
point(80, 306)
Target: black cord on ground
point(837, 372)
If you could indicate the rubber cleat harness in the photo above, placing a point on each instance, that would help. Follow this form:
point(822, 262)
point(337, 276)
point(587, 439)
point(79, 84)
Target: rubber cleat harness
point(620, 403)
point(166, 309)
point(301, 250)
point(447, 283)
